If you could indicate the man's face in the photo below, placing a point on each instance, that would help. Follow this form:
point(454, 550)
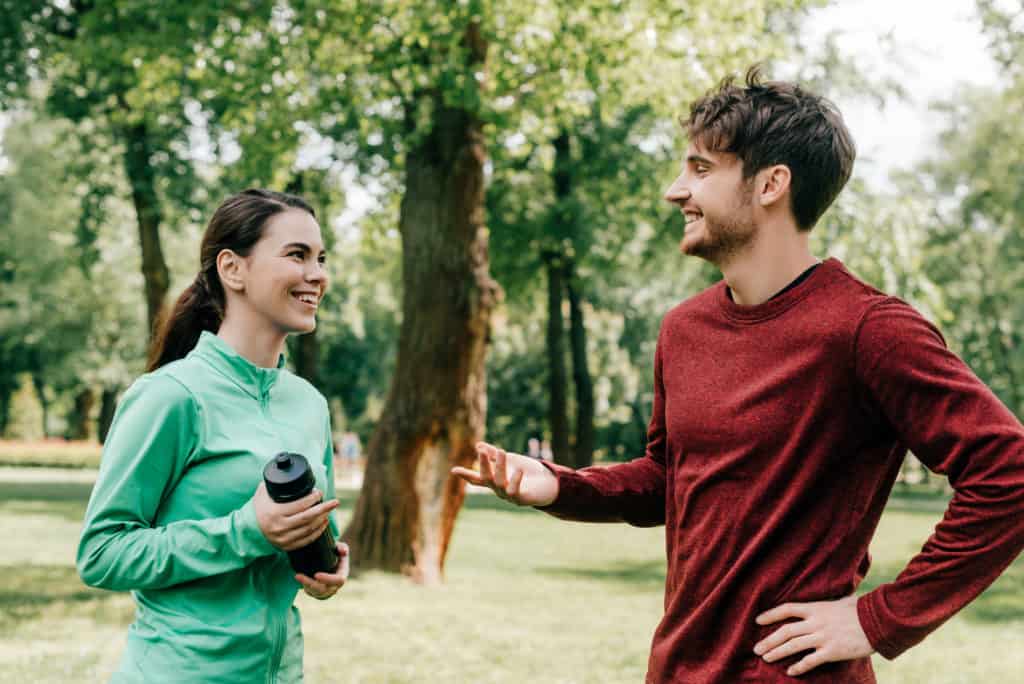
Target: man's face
point(717, 204)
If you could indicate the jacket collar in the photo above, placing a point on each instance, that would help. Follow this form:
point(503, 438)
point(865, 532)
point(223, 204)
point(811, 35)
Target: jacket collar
point(256, 381)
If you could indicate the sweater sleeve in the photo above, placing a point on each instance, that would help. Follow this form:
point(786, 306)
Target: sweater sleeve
point(632, 492)
point(121, 548)
point(957, 427)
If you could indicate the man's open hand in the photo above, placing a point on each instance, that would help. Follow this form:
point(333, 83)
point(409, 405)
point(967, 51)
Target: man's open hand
point(519, 479)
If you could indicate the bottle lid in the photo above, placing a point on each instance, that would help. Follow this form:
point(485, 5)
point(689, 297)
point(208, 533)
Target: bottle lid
point(288, 477)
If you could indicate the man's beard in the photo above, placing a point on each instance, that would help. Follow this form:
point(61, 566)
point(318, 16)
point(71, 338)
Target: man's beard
point(724, 239)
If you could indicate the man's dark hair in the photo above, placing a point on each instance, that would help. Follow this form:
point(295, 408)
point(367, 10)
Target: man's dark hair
point(775, 122)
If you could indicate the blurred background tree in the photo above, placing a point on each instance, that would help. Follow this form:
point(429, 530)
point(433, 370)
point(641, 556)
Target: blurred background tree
point(488, 176)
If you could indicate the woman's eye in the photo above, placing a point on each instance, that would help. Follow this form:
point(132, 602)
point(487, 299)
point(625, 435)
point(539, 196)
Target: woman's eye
point(297, 254)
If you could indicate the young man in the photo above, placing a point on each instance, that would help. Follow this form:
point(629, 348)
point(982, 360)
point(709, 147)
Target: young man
point(785, 399)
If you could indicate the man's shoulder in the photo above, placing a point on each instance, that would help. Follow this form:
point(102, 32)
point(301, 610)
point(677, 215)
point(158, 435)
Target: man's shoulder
point(702, 303)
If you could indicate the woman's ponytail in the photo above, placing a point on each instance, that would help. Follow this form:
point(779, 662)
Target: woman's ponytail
point(197, 309)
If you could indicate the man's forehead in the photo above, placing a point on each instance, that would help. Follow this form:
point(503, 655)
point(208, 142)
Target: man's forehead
point(696, 150)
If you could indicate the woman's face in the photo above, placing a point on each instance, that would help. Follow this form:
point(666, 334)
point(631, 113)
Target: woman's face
point(284, 278)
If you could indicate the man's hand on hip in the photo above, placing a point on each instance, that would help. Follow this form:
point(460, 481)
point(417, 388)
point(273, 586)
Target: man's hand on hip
point(830, 630)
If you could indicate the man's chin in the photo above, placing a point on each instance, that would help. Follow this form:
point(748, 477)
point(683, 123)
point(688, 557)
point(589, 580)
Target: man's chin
point(693, 247)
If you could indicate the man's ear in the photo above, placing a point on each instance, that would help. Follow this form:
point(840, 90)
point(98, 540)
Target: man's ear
point(231, 268)
point(773, 184)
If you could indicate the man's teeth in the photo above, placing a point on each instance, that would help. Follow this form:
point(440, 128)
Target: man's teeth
point(308, 299)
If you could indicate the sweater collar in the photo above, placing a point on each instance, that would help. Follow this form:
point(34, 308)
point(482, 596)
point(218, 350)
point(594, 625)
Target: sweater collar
point(254, 380)
point(779, 304)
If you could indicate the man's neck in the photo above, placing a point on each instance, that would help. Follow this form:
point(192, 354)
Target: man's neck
point(765, 268)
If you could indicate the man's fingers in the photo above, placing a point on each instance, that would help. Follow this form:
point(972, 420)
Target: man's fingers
point(800, 644)
point(807, 663)
point(781, 636)
point(486, 470)
point(500, 476)
point(512, 489)
point(786, 610)
point(470, 476)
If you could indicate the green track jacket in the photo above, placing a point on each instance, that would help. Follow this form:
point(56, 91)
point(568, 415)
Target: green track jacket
point(171, 518)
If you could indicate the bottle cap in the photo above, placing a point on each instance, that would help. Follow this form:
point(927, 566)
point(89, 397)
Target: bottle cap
point(288, 477)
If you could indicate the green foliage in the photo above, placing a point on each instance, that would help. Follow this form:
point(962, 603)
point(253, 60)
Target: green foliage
point(579, 102)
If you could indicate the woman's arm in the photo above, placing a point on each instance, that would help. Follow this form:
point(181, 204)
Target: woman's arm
point(154, 432)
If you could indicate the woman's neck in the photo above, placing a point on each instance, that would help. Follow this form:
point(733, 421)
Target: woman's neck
point(259, 345)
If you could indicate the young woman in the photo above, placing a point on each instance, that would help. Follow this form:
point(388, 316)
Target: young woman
point(179, 514)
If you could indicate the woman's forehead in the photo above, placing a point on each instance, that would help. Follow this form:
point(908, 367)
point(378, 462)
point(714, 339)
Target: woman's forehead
point(293, 225)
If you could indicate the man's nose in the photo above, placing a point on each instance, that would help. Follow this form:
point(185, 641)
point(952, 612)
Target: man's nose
point(677, 192)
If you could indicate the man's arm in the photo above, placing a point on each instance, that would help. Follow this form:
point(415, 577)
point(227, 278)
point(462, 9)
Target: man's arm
point(957, 427)
point(631, 492)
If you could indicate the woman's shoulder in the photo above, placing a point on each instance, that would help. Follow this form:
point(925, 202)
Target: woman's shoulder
point(163, 385)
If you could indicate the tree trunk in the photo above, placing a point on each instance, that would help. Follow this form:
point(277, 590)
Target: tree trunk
point(5, 409)
point(436, 407)
point(44, 403)
point(307, 358)
point(108, 405)
point(78, 419)
point(584, 447)
point(558, 400)
point(147, 213)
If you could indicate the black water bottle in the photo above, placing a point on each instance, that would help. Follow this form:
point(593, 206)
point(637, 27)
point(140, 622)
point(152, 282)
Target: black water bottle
point(289, 477)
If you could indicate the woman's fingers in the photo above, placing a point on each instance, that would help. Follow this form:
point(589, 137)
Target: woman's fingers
point(312, 513)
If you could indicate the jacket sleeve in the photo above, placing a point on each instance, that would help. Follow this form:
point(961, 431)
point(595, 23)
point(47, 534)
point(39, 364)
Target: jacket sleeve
point(330, 492)
point(155, 431)
point(632, 492)
point(957, 427)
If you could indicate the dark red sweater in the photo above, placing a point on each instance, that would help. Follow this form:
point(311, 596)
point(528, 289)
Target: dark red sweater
point(776, 436)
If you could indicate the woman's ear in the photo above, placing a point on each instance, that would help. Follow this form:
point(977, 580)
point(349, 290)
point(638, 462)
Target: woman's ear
point(231, 268)
point(773, 184)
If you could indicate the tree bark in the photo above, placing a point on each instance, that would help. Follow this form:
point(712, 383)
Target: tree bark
point(555, 263)
point(436, 407)
point(147, 212)
point(584, 447)
point(78, 419)
point(108, 405)
point(5, 408)
point(307, 358)
point(558, 400)
point(44, 403)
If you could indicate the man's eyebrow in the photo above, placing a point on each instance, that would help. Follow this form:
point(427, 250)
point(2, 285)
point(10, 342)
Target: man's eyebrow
point(697, 159)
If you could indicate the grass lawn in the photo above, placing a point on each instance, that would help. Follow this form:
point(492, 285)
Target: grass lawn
point(528, 599)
